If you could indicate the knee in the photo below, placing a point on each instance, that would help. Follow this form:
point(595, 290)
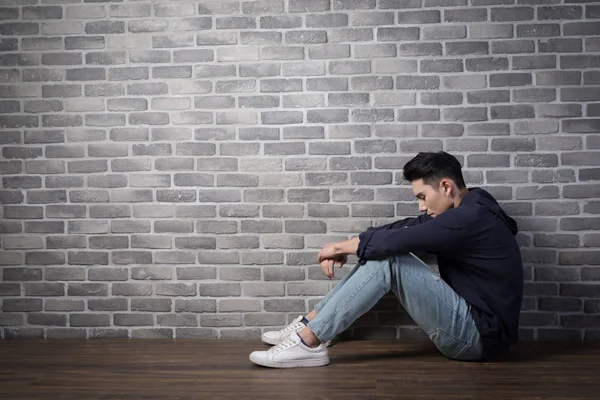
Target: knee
point(383, 268)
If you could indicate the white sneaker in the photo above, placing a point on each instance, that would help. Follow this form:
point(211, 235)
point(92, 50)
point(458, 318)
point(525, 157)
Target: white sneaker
point(275, 337)
point(291, 353)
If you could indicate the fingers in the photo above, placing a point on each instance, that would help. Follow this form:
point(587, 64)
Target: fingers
point(328, 264)
point(340, 261)
point(327, 267)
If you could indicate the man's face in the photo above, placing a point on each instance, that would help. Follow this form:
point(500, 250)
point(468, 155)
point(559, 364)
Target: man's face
point(431, 200)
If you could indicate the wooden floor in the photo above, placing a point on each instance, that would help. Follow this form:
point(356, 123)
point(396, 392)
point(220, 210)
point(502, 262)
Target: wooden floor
point(220, 369)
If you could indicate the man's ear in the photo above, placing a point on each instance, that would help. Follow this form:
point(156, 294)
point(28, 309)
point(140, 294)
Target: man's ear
point(446, 187)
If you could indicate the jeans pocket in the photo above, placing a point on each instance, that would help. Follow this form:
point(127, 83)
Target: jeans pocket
point(449, 345)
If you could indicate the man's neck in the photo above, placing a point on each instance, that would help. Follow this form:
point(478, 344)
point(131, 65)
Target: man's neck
point(461, 194)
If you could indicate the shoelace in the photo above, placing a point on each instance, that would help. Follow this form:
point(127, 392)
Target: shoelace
point(286, 343)
point(292, 327)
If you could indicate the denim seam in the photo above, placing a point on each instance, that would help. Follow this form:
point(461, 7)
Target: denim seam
point(467, 342)
point(318, 332)
point(443, 301)
point(320, 306)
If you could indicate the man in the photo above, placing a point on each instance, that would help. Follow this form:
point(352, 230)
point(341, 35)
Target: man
point(470, 312)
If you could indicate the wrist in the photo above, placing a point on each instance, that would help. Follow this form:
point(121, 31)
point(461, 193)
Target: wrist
point(346, 247)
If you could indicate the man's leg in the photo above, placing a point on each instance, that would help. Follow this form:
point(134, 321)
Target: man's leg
point(274, 337)
point(358, 292)
point(430, 301)
point(331, 293)
point(434, 306)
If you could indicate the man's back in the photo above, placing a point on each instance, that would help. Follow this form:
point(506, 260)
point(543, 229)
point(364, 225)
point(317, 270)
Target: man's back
point(487, 270)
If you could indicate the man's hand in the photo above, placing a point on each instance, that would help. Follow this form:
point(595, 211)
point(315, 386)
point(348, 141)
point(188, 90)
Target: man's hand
point(328, 264)
point(336, 254)
point(330, 251)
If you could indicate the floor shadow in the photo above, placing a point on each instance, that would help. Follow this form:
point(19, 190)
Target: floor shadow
point(543, 351)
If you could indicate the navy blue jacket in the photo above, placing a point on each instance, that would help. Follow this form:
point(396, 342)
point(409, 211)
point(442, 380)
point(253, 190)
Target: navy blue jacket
point(478, 256)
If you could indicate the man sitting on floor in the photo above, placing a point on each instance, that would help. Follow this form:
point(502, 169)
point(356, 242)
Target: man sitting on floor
point(470, 312)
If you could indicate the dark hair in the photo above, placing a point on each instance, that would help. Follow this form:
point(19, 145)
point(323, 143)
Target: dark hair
point(433, 167)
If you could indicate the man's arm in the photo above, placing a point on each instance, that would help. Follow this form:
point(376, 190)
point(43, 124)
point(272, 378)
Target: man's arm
point(445, 232)
point(335, 250)
point(411, 221)
point(347, 246)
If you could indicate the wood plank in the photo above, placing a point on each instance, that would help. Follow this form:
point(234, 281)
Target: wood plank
point(164, 369)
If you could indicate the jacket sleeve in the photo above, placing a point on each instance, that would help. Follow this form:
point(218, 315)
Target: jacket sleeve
point(421, 219)
point(445, 232)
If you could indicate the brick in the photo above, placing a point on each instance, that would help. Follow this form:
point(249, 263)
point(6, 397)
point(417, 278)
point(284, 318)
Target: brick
point(19, 212)
point(580, 28)
point(65, 242)
point(175, 195)
point(441, 130)
point(131, 257)
point(308, 5)
point(530, 127)
point(488, 96)
point(11, 258)
point(513, 46)
point(350, 35)
point(281, 117)
point(329, 51)
point(536, 160)
point(559, 110)
point(512, 144)
point(512, 14)
point(512, 112)
point(534, 62)
point(151, 242)
point(195, 305)
point(576, 224)
point(235, 23)
point(258, 38)
point(22, 305)
point(196, 273)
point(441, 66)
point(22, 243)
point(560, 45)
point(580, 158)
point(219, 289)
point(592, 44)
point(587, 257)
point(34, 227)
point(130, 226)
point(465, 114)
point(282, 53)
point(306, 37)
point(581, 125)
point(88, 258)
point(538, 30)
point(375, 51)
point(397, 34)
point(329, 116)
point(571, 62)
point(154, 273)
point(559, 12)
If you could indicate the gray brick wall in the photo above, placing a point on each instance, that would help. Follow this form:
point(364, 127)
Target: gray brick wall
point(170, 169)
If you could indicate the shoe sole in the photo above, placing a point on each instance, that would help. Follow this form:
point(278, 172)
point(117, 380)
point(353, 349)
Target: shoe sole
point(275, 342)
point(317, 362)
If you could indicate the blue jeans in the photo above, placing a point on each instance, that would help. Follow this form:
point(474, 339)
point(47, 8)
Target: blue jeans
point(431, 302)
